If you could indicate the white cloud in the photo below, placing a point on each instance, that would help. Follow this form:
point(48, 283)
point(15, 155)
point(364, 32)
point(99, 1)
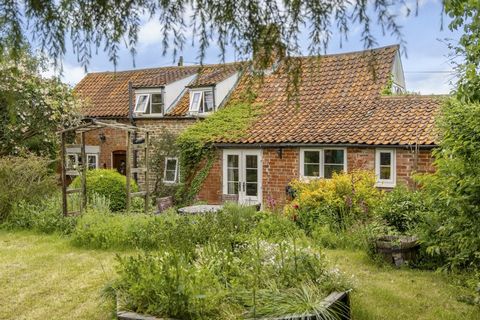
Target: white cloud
point(150, 33)
point(71, 74)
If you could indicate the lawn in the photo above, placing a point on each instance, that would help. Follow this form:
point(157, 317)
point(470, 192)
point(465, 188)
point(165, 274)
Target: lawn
point(44, 277)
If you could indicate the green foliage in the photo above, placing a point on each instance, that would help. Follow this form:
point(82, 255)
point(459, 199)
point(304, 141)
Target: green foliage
point(109, 184)
point(452, 225)
point(32, 109)
point(45, 216)
point(163, 146)
point(195, 143)
point(213, 22)
point(26, 179)
point(223, 275)
point(402, 209)
point(339, 203)
point(466, 18)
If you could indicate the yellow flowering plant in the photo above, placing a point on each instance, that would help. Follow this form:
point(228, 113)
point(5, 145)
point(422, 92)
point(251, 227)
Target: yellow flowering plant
point(339, 202)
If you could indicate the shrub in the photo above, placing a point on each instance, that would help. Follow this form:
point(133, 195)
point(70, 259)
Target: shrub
point(108, 183)
point(402, 209)
point(338, 203)
point(45, 216)
point(27, 179)
point(224, 282)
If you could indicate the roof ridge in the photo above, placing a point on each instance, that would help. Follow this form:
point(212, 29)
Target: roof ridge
point(414, 96)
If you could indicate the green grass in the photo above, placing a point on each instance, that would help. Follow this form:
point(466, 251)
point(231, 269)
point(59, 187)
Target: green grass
point(44, 277)
point(383, 292)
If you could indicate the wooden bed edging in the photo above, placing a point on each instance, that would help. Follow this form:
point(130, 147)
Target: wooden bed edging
point(337, 301)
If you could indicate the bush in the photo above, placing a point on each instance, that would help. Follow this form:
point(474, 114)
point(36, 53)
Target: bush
point(26, 179)
point(402, 209)
point(340, 202)
point(108, 183)
point(45, 216)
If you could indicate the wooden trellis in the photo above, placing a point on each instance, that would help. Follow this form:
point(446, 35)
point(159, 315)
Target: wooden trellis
point(94, 124)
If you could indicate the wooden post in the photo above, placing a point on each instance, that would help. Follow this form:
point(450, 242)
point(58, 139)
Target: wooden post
point(64, 175)
point(83, 203)
point(127, 169)
point(147, 198)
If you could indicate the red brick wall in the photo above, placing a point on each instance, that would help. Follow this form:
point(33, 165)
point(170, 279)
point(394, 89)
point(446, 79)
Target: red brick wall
point(115, 141)
point(211, 190)
point(278, 172)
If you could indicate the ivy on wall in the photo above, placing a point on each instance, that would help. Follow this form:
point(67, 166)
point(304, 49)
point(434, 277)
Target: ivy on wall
point(196, 148)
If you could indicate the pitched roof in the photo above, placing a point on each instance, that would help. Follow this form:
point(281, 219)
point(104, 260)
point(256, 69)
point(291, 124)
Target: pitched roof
point(106, 93)
point(340, 102)
point(210, 75)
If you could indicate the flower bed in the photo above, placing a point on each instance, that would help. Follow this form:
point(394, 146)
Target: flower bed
point(245, 265)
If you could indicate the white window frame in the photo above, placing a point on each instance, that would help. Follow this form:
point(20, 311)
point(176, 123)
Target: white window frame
point(321, 152)
point(165, 170)
point(75, 161)
point(386, 183)
point(139, 95)
point(195, 107)
point(200, 104)
point(96, 160)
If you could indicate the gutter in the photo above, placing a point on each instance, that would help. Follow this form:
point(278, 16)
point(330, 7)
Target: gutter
point(296, 145)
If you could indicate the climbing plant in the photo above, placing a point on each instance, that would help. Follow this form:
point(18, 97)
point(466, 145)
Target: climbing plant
point(196, 148)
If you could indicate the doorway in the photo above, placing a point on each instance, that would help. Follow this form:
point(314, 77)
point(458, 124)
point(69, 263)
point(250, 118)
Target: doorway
point(119, 160)
point(242, 175)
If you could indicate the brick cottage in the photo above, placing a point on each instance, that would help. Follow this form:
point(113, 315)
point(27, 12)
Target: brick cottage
point(350, 111)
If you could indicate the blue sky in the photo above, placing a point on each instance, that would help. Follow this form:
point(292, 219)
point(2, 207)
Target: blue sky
point(426, 63)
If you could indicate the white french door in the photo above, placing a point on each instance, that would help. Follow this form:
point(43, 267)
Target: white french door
point(242, 175)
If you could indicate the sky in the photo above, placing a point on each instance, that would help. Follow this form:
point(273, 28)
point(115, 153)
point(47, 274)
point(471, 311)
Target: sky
point(425, 59)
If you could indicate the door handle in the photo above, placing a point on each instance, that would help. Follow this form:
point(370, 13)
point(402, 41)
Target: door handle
point(244, 184)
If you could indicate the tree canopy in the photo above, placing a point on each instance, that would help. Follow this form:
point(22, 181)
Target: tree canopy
point(32, 108)
point(109, 24)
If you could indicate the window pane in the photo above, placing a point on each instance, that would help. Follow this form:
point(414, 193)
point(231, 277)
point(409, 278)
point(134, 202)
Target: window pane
point(252, 189)
point(311, 170)
point(331, 168)
point(195, 101)
point(157, 98)
point(385, 158)
point(170, 175)
point(232, 161)
point(385, 173)
point(171, 164)
point(334, 156)
point(252, 175)
point(232, 188)
point(142, 102)
point(157, 103)
point(208, 101)
point(251, 161)
point(232, 174)
point(311, 157)
point(92, 161)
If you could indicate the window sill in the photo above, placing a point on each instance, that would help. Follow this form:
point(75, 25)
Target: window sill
point(385, 184)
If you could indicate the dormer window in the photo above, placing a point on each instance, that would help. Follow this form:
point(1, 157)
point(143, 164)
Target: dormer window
point(201, 101)
point(149, 103)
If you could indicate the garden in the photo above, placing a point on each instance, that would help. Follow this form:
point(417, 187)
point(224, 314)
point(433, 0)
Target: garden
point(239, 263)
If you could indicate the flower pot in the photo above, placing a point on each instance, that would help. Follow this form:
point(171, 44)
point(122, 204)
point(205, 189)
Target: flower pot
point(397, 250)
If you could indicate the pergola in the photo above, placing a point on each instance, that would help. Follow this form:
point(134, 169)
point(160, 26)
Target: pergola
point(94, 124)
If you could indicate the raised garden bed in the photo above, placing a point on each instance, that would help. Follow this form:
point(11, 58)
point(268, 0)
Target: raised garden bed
point(338, 302)
point(398, 250)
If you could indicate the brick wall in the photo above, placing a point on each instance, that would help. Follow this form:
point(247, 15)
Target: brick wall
point(211, 190)
point(278, 172)
point(116, 139)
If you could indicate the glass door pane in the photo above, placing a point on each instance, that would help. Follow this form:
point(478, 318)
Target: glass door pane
point(251, 175)
point(233, 177)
